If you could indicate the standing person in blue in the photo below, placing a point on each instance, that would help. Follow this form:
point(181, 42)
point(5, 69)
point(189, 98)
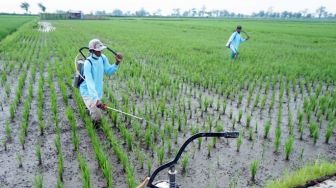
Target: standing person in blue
point(234, 42)
point(95, 66)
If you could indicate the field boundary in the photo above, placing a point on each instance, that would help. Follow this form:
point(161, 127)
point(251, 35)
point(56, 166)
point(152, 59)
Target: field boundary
point(317, 173)
point(14, 30)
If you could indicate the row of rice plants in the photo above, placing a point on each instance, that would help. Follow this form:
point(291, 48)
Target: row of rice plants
point(102, 158)
point(85, 171)
point(57, 139)
point(18, 94)
point(119, 151)
point(26, 109)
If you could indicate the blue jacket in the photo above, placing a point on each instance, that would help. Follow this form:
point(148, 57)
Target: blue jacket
point(235, 40)
point(94, 74)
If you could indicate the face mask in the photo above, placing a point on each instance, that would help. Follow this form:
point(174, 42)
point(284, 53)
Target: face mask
point(94, 55)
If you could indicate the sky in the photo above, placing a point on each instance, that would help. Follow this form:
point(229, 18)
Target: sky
point(166, 6)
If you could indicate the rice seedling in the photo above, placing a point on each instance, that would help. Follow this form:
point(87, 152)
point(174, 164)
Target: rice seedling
point(199, 141)
point(40, 121)
point(179, 123)
point(254, 168)
point(149, 167)
point(57, 142)
point(60, 166)
point(277, 139)
point(248, 120)
point(267, 128)
point(85, 171)
point(129, 138)
point(330, 115)
point(279, 119)
point(206, 104)
point(289, 146)
point(234, 123)
point(290, 123)
point(12, 111)
point(22, 139)
point(130, 177)
point(162, 107)
point(175, 136)
point(141, 158)
point(328, 134)
point(249, 98)
point(8, 131)
point(185, 162)
point(59, 183)
point(250, 132)
point(38, 181)
point(312, 128)
point(308, 115)
point(240, 115)
point(38, 154)
point(224, 108)
point(316, 135)
point(148, 138)
point(169, 146)
point(214, 141)
point(233, 182)
point(263, 103)
point(301, 130)
point(301, 154)
point(160, 155)
point(19, 159)
point(7, 90)
point(75, 141)
point(272, 103)
point(256, 99)
point(4, 143)
point(209, 150)
point(239, 142)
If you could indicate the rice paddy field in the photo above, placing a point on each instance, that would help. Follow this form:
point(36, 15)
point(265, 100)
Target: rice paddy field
point(280, 95)
point(9, 23)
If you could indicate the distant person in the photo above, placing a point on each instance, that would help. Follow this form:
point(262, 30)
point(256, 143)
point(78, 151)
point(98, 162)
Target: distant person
point(234, 42)
point(95, 66)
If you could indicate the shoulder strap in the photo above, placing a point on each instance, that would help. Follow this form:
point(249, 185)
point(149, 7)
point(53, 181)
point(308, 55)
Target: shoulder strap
point(103, 60)
point(91, 66)
point(89, 61)
point(235, 35)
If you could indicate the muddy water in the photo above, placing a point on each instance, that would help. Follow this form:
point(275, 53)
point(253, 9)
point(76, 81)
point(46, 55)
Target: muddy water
point(227, 167)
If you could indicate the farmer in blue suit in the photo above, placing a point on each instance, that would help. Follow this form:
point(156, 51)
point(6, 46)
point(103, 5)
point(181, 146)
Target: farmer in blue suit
point(95, 66)
point(234, 42)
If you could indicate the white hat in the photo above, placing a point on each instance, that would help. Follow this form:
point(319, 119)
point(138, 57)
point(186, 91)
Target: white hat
point(96, 45)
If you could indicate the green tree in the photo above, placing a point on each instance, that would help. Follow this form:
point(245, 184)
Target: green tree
point(25, 6)
point(42, 7)
point(321, 11)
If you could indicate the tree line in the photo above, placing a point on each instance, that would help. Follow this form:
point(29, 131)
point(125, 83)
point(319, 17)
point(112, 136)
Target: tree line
point(320, 12)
